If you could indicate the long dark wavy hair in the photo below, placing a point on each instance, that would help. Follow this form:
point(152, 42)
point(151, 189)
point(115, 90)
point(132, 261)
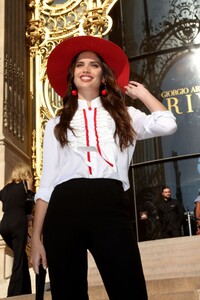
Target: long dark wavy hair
point(113, 102)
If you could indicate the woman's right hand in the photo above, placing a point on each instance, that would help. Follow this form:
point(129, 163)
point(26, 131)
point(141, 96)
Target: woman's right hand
point(38, 255)
point(137, 90)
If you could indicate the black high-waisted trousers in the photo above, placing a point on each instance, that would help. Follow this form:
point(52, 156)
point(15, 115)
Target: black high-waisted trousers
point(14, 232)
point(92, 214)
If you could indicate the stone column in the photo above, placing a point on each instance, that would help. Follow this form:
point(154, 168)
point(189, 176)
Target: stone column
point(15, 108)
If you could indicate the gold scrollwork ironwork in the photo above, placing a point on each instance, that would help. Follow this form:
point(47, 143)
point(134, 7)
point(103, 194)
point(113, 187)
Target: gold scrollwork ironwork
point(49, 24)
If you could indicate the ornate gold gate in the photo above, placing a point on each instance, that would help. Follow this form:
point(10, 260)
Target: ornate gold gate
point(49, 24)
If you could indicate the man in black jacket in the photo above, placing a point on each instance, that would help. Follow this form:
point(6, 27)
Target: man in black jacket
point(171, 214)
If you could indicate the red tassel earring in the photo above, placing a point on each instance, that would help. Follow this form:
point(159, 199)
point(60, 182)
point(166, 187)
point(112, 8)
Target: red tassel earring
point(74, 92)
point(104, 92)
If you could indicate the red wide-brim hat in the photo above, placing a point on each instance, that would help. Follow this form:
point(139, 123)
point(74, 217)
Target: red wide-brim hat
point(62, 55)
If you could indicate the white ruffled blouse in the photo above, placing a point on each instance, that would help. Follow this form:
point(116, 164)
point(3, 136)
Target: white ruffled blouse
point(92, 151)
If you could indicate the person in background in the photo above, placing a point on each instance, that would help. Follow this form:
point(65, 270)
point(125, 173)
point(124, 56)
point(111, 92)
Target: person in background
point(197, 213)
point(81, 203)
point(171, 214)
point(14, 227)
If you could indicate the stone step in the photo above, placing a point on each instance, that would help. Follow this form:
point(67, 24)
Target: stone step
point(97, 293)
point(163, 259)
point(170, 258)
point(159, 290)
point(171, 268)
point(190, 295)
point(173, 285)
point(47, 296)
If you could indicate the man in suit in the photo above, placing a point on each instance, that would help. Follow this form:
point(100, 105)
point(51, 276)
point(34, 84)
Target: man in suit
point(171, 214)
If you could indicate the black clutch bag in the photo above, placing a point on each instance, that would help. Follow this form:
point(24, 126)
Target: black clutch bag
point(29, 199)
point(29, 202)
point(40, 283)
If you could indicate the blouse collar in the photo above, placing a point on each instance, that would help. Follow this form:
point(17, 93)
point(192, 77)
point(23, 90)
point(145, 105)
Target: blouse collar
point(94, 103)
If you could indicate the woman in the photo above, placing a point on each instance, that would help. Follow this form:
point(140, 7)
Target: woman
point(81, 203)
point(14, 227)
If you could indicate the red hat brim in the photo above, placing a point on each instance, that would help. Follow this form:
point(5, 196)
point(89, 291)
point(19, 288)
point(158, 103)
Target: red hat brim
point(62, 55)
